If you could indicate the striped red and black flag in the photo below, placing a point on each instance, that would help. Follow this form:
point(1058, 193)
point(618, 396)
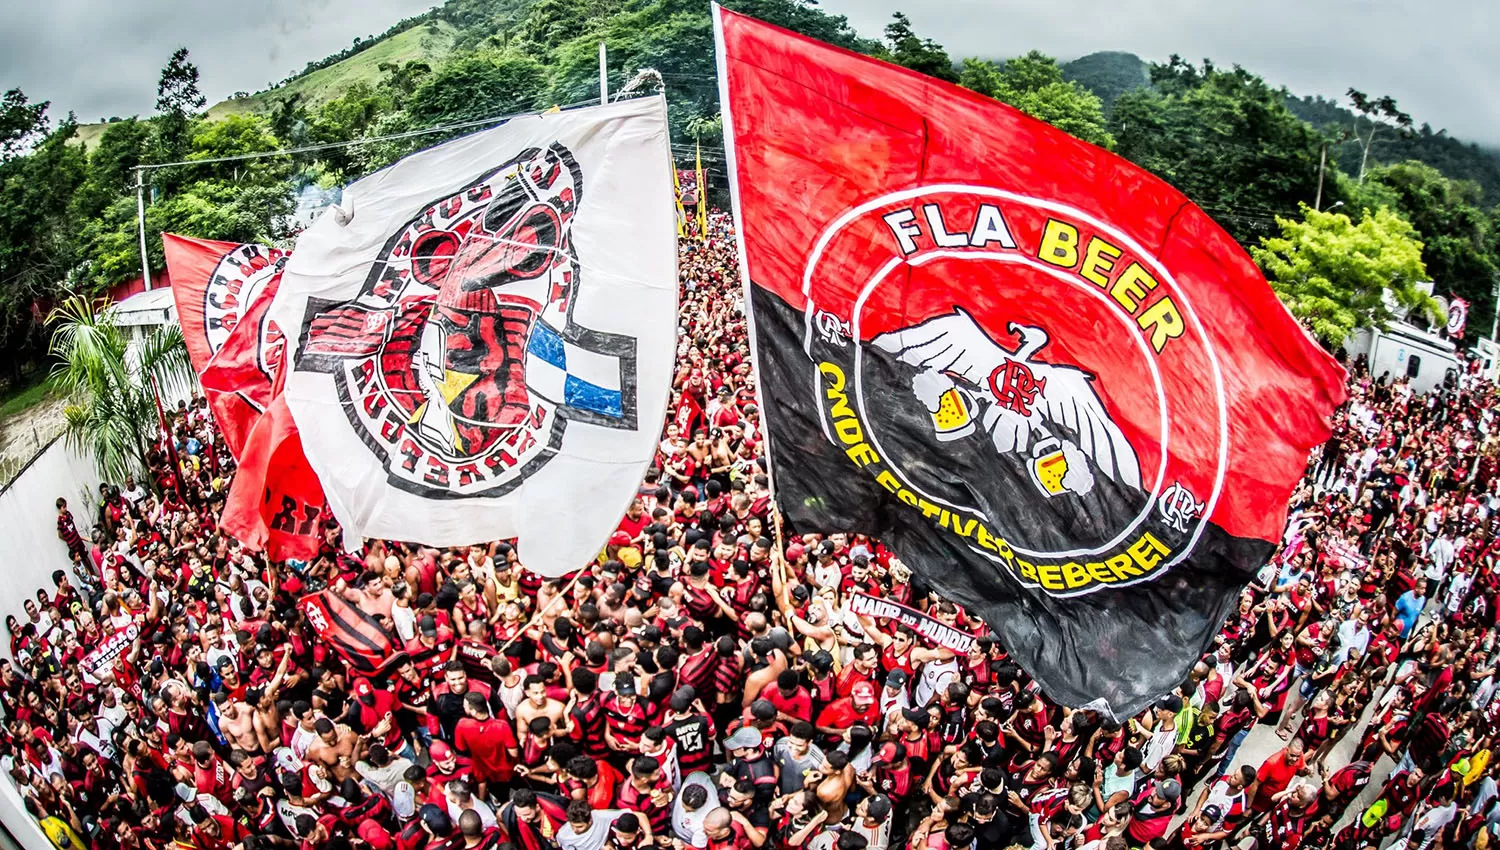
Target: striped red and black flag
point(355, 635)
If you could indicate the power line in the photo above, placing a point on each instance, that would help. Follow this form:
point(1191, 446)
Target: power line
point(444, 128)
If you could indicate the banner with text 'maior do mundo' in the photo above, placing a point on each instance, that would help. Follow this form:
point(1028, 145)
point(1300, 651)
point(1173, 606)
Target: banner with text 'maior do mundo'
point(1046, 379)
point(480, 336)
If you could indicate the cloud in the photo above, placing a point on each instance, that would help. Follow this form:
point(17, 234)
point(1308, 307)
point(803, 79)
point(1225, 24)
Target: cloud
point(101, 58)
point(1434, 57)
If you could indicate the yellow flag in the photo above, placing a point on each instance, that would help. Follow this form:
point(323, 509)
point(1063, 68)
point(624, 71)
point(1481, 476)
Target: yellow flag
point(702, 196)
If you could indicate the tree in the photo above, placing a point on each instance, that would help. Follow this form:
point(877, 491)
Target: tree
point(111, 389)
point(1457, 235)
point(21, 123)
point(1034, 84)
point(1225, 139)
point(177, 102)
point(1380, 113)
point(918, 54)
point(479, 85)
point(1333, 273)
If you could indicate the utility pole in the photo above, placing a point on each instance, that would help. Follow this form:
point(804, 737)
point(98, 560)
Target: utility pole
point(603, 74)
point(140, 221)
point(1322, 162)
point(1495, 322)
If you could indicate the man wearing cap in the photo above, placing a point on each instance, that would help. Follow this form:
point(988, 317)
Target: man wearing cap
point(859, 707)
point(372, 712)
point(893, 697)
point(432, 647)
point(1164, 732)
point(1154, 808)
point(445, 766)
point(624, 716)
point(692, 729)
point(748, 762)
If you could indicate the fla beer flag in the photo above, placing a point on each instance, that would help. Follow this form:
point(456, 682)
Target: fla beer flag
point(483, 335)
point(1051, 383)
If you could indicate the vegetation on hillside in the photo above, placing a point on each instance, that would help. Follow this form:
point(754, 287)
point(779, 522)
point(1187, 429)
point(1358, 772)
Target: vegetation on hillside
point(1242, 149)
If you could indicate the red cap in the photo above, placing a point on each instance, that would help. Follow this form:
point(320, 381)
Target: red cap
point(863, 691)
point(375, 835)
point(619, 538)
point(440, 751)
point(794, 552)
point(363, 688)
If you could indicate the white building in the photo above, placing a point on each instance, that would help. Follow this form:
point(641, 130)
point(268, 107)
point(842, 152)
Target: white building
point(1405, 351)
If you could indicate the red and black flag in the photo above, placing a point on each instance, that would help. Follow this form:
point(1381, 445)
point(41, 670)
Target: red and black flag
point(1005, 350)
point(222, 291)
point(354, 634)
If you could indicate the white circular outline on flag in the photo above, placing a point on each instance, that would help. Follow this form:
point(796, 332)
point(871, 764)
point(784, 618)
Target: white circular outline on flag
point(850, 215)
point(1161, 403)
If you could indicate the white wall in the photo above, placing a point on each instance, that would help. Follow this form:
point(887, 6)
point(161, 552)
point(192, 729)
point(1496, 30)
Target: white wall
point(28, 525)
point(28, 522)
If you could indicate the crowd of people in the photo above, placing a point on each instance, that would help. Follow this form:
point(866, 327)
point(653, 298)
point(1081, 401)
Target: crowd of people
point(704, 684)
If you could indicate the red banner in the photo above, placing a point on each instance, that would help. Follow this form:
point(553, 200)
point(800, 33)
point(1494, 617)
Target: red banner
point(354, 634)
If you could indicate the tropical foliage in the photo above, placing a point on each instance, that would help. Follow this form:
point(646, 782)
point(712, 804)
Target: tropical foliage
point(112, 386)
point(1337, 274)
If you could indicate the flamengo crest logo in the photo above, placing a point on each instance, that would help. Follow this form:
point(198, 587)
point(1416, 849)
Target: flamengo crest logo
point(459, 363)
point(1024, 377)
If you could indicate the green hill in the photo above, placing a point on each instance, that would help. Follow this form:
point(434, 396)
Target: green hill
point(429, 42)
point(1108, 74)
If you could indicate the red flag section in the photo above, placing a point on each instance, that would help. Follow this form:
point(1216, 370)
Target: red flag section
point(1046, 379)
point(222, 291)
point(276, 503)
point(688, 416)
point(354, 634)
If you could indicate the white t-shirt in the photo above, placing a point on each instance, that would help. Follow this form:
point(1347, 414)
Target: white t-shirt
point(936, 675)
point(405, 621)
point(594, 837)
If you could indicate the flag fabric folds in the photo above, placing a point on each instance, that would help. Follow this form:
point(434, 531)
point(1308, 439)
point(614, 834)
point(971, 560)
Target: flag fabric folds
point(357, 637)
point(484, 332)
point(276, 504)
point(1043, 377)
point(223, 291)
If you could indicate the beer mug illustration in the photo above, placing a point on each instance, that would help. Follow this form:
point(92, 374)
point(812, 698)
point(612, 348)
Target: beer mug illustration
point(951, 407)
point(1048, 466)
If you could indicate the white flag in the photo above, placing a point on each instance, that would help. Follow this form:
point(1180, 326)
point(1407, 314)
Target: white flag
point(484, 335)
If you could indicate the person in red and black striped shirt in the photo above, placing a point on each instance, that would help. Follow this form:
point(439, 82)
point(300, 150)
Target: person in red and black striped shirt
point(67, 532)
point(586, 722)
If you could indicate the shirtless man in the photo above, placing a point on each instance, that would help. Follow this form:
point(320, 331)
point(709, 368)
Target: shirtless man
point(237, 722)
point(537, 704)
point(336, 749)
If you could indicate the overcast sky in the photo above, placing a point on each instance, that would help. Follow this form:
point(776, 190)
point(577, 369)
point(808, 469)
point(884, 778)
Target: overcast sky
point(102, 57)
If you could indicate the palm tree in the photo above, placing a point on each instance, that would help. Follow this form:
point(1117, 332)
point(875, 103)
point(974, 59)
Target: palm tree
point(111, 383)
